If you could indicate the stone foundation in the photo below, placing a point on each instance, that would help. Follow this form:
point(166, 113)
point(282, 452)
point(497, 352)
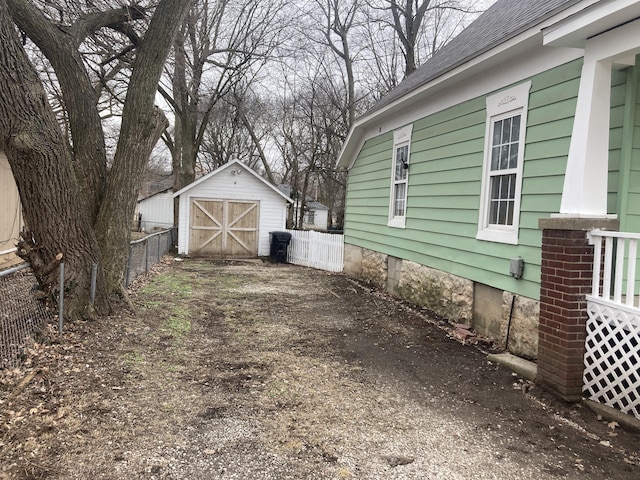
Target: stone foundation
point(352, 260)
point(374, 268)
point(487, 310)
point(447, 295)
point(523, 331)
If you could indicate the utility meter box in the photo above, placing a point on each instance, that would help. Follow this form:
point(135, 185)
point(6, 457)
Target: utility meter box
point(517, 267)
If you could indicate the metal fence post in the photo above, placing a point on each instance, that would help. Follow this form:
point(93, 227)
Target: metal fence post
point(146, 255)
point(128, 272)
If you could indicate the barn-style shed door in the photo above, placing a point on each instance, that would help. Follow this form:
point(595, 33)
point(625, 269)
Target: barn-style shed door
point(224, 228)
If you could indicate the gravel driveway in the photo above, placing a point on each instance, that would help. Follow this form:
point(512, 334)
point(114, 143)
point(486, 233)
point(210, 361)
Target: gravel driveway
point(250, 370)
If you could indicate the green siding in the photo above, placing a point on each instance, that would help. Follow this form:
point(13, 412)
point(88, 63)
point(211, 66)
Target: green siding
point(445, 181)
point(629, 181)
point(618, 111)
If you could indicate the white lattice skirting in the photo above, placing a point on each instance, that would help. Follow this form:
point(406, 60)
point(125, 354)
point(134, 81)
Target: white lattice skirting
point(612, 358)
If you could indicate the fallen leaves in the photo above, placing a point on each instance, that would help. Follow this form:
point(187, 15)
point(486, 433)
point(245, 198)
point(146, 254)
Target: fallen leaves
point(128, 399)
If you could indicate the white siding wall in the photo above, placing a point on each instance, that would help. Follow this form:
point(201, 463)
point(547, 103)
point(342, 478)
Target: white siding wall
point(157, 211)
point(320, 220)
point(226, 186)
point(10, 214)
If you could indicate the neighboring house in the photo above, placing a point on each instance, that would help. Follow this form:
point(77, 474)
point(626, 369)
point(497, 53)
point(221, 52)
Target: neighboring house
point(155, 212)
point(230, 213)
point(316, 215)
point(473, 184)
point(11, 221)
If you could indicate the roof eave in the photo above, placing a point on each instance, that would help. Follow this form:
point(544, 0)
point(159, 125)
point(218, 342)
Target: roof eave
point(576, 29)
point(226, 166)
point(141, 199)
point(456, 74)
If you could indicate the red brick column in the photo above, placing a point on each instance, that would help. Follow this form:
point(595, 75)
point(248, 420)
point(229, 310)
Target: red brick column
point(567, 268)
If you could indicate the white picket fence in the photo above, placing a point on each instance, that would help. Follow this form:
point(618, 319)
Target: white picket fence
point(324, 251)
point(612, 358)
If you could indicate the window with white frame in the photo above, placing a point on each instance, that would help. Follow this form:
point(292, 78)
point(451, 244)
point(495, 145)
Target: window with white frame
point(400, 176)
point(503, 164)
point(311, 217)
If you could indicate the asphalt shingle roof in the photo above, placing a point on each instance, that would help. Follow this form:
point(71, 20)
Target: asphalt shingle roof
point(310, 202)
point(503, 20)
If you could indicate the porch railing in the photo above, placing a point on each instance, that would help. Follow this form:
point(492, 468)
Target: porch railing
point(614, 268)
point(612, 358)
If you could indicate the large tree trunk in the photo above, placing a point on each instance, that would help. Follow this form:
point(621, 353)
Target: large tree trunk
point(41, 163)
point(182, 163)
point(142, 125)
point(61, 186)
point(179, 100)
point(61, 47)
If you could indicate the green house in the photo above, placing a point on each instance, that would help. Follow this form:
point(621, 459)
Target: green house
point(528, 120)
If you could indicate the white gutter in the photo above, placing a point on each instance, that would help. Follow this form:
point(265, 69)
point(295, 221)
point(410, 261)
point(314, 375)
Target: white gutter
point(575, 30)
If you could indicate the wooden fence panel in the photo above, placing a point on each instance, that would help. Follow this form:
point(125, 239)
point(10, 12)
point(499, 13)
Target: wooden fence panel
point(324, 251)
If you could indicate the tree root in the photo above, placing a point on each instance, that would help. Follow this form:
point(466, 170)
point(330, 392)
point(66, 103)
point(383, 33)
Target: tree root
point(126, 300)
point(23, 384)
point(32, 253)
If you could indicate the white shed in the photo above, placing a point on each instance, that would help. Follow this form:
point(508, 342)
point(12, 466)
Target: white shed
point(156, 211)
point(229, 213)
point(316, 216)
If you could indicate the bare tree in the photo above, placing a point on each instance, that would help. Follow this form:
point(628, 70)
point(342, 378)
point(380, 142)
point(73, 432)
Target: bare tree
point(380, 71)
point(239, 131)
point(422, 25)
point(219, 49)
point(309, 135)
point(340, 17)
point(321, 102)
point(73, 203)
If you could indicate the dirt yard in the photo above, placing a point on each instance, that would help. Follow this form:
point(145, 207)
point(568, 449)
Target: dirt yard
point(250, 370)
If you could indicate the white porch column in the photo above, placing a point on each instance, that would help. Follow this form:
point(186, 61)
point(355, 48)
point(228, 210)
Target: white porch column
point(585, 182)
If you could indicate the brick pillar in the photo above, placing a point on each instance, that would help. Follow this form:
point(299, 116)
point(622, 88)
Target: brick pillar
point(567, 268)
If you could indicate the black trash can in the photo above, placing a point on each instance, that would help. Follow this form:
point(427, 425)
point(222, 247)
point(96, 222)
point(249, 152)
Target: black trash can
point(279, 245)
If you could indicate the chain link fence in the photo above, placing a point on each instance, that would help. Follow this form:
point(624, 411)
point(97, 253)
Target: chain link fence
point(146, 252)
point(22, 315)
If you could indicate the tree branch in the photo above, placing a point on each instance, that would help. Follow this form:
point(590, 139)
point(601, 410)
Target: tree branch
point(79, 96)
point(116, 19)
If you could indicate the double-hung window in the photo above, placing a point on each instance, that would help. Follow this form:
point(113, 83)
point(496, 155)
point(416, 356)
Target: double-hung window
point(400, 176)
point(503, 164)
point(311, 217)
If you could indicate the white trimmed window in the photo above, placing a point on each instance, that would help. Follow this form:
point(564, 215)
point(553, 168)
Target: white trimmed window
point(311, 217)
point(503, 163)
point(400, 176)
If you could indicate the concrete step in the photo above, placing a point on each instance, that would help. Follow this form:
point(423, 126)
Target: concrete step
point(522, 367)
